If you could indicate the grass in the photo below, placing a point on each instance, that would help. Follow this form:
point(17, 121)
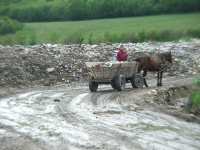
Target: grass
point(159, 28)
point(194, 100)
point(197, 81)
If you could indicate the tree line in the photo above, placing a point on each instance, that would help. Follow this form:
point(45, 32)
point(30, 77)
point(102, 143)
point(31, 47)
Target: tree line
point(60, 10)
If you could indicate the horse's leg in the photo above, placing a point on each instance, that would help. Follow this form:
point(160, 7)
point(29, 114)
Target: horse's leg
point(161, 74)
point(144, 75)
point(158, 79)
point(145, 82)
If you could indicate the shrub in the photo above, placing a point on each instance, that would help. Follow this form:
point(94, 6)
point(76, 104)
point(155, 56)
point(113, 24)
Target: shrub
point(8, 25)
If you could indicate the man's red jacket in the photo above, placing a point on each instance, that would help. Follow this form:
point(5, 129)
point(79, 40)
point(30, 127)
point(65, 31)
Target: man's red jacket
point(122, 55)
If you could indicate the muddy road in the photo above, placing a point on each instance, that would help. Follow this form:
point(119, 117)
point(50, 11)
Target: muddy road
point(72, 118)
point(66, 117)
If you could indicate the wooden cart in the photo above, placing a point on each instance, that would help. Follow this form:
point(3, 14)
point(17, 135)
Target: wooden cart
point(115, 73)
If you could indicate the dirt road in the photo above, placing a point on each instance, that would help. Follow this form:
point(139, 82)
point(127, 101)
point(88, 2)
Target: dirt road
point(71, 118)
point(62, 118)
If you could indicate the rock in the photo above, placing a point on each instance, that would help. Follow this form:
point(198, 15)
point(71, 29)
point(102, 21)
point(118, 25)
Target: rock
point(154, 92)
point(56, 100)
point(49, 70)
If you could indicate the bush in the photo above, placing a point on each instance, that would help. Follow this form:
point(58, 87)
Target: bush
point(8, 25)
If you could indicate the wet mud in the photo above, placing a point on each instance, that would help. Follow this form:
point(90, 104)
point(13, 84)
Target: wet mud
point(62, 118)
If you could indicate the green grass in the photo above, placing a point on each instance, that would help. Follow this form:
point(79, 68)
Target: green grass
point(197, 81)
point(195, 99)
point(160, 28)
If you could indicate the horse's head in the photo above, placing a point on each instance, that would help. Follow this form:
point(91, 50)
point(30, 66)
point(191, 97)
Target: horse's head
point(167, 56)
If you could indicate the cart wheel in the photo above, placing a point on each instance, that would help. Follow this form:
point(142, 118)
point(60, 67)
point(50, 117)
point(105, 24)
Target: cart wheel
point(93, 86)
point(119, 82)
point(137, 81)
point(113, 84)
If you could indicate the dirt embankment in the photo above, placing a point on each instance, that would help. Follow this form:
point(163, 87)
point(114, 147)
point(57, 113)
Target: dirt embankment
point(174, 101)
point(51, 64)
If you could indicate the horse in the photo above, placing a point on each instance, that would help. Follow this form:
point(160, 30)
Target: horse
point(156, 63)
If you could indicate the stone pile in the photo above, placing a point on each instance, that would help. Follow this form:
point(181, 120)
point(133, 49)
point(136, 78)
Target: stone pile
point(48, 64)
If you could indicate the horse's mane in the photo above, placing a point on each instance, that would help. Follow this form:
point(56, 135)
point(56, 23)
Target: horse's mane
point(165, 56)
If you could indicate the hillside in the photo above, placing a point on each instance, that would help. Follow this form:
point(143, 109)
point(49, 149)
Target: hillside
point(132, 29)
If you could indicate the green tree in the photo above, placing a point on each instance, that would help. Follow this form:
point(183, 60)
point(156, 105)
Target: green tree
point(8, 25)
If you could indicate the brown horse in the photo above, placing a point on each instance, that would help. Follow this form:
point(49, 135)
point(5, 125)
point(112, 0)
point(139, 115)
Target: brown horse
point(156, 63)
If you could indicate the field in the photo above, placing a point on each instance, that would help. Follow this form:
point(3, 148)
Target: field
point(133, 29)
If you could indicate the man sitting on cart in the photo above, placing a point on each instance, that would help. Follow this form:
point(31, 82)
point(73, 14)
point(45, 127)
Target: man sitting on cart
point(122, 54)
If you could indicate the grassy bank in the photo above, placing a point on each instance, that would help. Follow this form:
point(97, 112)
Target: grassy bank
point(194, 100)
point(134, 29)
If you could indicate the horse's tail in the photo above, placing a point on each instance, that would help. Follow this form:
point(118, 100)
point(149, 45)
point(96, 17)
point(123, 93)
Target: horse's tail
point(138, 64)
